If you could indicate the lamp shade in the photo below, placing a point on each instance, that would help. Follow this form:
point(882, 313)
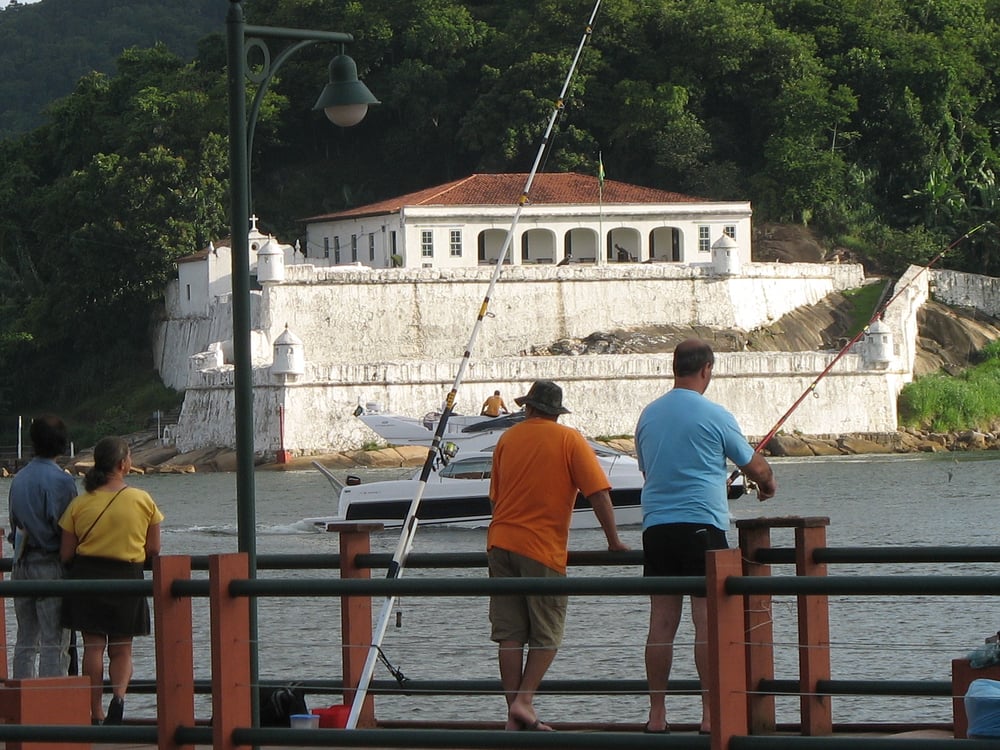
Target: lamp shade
point(345, 99)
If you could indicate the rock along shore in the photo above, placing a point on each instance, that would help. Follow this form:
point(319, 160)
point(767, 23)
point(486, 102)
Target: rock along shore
point(149, 456)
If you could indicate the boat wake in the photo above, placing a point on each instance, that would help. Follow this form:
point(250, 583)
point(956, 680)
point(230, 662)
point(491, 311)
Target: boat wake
point(224, 530)
point(295, 527)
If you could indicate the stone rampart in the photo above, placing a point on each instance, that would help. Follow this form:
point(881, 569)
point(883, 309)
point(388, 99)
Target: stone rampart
point(395, 337)
point(967, 290)
point(354, 314)
point(604, 392)
point(389, 314)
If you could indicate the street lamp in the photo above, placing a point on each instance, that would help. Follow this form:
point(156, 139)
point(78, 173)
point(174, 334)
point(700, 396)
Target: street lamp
point(345, 101)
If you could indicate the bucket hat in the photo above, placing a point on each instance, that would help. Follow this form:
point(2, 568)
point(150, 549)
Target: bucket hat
point(545, 396)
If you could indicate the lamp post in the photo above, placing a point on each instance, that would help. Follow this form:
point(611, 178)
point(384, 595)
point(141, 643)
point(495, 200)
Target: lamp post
point(345, 101)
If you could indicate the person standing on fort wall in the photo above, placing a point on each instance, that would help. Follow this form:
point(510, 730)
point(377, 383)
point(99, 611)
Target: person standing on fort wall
point(682, 443)
point(39, 494)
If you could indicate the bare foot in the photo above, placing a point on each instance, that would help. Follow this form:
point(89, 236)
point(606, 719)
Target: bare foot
point(520, 719)
point(657, 722)
point(537, 726)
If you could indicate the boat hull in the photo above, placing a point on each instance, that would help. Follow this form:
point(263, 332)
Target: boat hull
point(388, 503)
point(456, 492)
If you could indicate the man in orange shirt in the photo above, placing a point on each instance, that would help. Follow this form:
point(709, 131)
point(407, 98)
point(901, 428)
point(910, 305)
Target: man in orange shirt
point(539, 466)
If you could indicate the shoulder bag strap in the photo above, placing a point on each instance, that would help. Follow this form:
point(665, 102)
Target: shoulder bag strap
point(79, 540)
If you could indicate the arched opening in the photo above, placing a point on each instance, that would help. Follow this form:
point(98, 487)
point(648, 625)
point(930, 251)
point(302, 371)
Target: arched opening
point(490, 243)
point(665, 244)
point(580, 243)
point(538, 246)
point(624, 245)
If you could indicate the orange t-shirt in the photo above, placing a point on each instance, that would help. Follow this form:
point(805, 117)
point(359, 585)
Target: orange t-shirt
point(539, 466)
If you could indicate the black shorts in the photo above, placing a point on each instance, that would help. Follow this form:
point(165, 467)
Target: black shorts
point(678, 549)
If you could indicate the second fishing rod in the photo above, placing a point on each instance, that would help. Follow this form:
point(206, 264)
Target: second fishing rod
point(736, 490)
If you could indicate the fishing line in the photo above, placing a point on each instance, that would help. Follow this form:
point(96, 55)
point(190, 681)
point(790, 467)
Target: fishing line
point(410, 522)
point(879, 312)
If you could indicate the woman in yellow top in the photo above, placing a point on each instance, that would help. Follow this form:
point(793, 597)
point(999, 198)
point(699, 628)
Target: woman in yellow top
point(108, 532)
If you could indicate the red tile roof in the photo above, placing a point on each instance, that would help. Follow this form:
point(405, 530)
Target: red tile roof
point(564, 188)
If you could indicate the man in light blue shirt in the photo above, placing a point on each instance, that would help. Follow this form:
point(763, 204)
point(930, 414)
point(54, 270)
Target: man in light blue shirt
point(683, 441)
point(38, 496)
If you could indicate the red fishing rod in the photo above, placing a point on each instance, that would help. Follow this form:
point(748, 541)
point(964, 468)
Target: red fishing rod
point(737, 490)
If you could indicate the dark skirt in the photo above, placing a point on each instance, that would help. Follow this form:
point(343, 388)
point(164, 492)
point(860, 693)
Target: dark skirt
point(107, 614)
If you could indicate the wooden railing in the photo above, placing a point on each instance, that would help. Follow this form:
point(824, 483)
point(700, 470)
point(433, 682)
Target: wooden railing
point(738, 587)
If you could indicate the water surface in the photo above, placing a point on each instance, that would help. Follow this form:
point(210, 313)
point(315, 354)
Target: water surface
point(870, 500)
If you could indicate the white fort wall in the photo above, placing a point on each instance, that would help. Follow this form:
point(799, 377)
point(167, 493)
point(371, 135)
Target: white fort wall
point(396, 336)
point(967, 290)
point(604, 392)
point(350, 314)
point(385, 315)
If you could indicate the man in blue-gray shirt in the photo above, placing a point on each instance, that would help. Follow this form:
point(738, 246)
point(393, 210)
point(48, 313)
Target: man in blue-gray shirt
point(682, 441)
point(38, 496)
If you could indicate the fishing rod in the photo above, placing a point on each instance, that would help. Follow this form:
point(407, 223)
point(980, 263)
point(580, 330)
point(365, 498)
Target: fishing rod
point(877, 315)
point(437, 451)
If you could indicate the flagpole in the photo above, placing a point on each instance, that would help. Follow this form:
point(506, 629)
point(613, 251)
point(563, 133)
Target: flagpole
point(601, 253)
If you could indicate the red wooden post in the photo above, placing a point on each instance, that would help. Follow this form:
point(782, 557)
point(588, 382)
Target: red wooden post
point(46, 701)
point(231, 689)
point(727, 684)
point(355, 614)
point(814, 631)
point(755, 535)
point(174, 651)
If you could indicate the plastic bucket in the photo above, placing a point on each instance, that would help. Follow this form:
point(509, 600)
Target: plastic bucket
point(304, 721)
point(334, 717)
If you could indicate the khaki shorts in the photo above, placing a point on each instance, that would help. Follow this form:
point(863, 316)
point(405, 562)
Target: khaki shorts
point(537, 620)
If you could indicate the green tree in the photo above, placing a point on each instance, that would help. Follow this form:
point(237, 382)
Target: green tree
point(107, 215)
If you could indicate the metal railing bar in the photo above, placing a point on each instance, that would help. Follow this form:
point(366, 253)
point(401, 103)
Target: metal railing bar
point(66, 587)
point(915, 688)
point(624, 586)
point(896, 585)
point(443, 560)
point(907, 554)
point(792, 742)
point(132, 734)
point(865, 585)
point(585, 558)
point(463, 738)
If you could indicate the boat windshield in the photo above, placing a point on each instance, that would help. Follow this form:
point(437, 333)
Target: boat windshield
point(478, 467)
point(605, 450)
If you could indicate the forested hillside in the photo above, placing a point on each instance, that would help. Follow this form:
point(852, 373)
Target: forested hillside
point(46, 47)
point(878, 124)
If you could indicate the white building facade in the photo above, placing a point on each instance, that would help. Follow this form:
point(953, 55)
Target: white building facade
point(568, 218)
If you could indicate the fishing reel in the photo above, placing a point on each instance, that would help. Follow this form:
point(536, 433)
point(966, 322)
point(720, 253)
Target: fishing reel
point(447, 451)
point(737, 485)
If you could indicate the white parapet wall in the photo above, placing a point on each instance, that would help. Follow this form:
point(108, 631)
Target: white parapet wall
point(370, 315)
point(604, 392)
point(980, 293)
point(396, 337)
point(354, 314)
